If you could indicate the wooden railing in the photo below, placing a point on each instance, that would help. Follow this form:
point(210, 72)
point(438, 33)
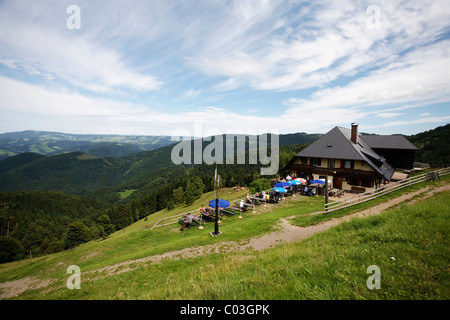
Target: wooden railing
point(170, 220)
point(174, 219)
point(391, 187)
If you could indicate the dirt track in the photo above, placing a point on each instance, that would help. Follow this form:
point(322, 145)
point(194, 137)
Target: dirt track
point(285, 233)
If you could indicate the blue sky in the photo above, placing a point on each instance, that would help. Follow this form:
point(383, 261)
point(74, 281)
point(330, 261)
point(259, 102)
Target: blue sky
point(154, 67)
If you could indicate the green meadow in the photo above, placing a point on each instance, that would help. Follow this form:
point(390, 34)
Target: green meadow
point(409, 243)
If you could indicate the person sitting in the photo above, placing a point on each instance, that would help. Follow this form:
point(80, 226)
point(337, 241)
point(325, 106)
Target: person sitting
point(241, 205)
point(188, 223)
point(305, 191)
point(247, 199)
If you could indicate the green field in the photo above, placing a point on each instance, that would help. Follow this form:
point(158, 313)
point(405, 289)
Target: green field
point(125, 194)
point(409, 243)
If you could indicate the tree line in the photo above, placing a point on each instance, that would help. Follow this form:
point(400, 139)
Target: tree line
point(43, 222)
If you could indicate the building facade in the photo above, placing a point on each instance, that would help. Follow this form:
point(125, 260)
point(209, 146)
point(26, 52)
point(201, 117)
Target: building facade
point(349, 160)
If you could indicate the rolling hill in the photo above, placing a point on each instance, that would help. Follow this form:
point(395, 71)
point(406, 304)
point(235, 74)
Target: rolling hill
point(81, 173)
point(434, 146)
point(88, 173)
point(52, 143)
point(166, 264)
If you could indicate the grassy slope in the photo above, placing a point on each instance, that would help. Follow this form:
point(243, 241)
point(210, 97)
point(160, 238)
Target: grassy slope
point(227, 194)
point(329, 265)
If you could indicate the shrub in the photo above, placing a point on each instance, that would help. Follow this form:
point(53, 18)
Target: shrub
point(259, 185)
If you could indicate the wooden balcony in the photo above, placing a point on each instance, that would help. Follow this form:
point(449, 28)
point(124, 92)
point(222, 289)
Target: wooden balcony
point(309, 170)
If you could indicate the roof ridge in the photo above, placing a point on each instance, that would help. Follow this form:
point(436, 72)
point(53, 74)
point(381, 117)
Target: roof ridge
point(366, 153)
point(349, 141)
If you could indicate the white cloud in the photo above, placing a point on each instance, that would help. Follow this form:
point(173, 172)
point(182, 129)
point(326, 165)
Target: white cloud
point(198, 51)
point(444, 119)
point(331, 40)
point(419, 76)
point(55, 53)
point(388, 115)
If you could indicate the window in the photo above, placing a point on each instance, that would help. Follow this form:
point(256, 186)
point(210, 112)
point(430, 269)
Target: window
point(331, 164)
point(368, 183)
point(317, 162)
point(354, 181)
point(304, 161)
point(348, 164)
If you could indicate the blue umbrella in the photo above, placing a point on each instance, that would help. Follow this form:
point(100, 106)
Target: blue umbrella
point(295, 183)
point(317, 181)
point(280, 190)
point(282, 184)
point(222, 203)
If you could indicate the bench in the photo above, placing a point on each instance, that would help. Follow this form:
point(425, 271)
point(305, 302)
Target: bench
point(358, 189)
point(227, 212)
point(209, 216)
point(195, 222)
point(336, 192)
point(257, 201)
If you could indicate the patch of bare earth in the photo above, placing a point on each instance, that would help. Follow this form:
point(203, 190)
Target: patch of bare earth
point(285, 233)
point(13, 288)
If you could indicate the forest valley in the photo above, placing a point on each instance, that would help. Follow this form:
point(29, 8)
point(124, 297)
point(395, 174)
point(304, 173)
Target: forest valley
point(53, 203)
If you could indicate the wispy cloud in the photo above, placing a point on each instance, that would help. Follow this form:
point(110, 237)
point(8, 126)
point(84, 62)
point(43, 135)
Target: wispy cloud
point(53, 52)
point(133, 67)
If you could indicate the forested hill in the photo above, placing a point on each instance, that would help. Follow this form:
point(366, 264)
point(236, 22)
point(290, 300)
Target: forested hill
point(52, 143)
point(103, 177)
point(36, 222)
point(79, 195)
point(100, 146)
point(40, 222)
point(83, 174)
point(434, 146)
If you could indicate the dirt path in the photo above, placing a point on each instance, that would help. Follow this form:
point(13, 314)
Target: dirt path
point(285, 233)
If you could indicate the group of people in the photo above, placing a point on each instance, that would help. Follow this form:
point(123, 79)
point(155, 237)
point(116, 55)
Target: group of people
point(189, 222)
point(269, 197)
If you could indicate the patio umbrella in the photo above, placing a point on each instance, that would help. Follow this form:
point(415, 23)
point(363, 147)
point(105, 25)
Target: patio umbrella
point(280, 190)
point(295, 183)
point(317, 181)
point(282, 184)
point(222, 203)
point(302, 180)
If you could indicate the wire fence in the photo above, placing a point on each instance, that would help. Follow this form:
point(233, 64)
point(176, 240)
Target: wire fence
point(391, 187)
point(175, 219)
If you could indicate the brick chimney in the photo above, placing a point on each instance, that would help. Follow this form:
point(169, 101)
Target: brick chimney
point(354, 136)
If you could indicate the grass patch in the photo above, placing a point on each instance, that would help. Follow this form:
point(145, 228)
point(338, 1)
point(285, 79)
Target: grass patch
point(149, 221)
point(125, 194)
point(329, 265)
point(308, 220)
point(409, 244)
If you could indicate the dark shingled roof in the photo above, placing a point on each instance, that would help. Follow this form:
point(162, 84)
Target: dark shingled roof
point(337, 144)
point(389, 142)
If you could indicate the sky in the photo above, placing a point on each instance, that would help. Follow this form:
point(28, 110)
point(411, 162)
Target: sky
point(212, 66)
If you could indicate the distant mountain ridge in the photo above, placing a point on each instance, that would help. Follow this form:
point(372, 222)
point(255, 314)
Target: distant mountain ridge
point(100, 146)
point(52, 143)
point(82, 173)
